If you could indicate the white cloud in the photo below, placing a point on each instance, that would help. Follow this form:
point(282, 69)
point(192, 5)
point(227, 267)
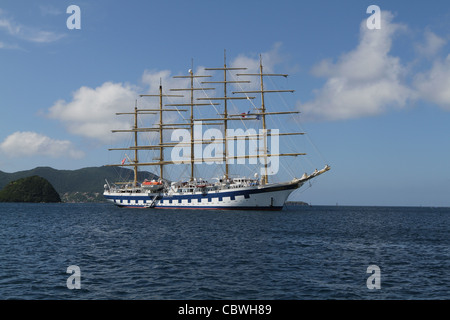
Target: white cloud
point(91, 113)
point(269, 60)
point(34, 144)
point(154, 78)
point(27, 33)
point(363, 82)
point(4, 45)
point(432, 44)
point(49, 10)
point(434, 85)
point(40, 36)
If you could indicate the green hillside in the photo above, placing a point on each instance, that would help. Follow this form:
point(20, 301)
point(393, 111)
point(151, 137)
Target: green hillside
point(30, 189)
point(82, 185)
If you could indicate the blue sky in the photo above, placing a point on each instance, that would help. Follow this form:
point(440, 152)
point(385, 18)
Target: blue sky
point(375, 103)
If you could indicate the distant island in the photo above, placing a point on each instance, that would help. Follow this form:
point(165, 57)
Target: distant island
point(77, 186)
point(31, 189)
point(296, 203)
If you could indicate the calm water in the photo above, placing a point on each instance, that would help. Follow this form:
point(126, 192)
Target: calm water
point(298, 253)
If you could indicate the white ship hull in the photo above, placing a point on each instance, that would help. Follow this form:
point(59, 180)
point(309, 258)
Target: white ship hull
point(267, 197)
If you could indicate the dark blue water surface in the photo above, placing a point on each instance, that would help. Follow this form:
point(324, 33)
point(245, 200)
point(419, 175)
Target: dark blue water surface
point(298, 253)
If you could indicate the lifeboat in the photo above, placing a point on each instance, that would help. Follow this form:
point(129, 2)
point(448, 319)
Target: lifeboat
point(152, 185)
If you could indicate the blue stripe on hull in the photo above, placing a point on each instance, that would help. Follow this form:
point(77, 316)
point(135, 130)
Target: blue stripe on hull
point(204, 208)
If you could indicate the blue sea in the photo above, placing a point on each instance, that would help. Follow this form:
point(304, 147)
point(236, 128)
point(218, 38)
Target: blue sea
point(300, 253)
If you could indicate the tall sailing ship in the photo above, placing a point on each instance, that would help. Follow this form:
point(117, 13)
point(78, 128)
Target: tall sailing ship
point(227, 191)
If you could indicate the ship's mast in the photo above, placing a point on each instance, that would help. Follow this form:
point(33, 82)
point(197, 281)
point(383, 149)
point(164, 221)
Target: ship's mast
point(192, 104)
point(225, 98)
point(161, 149)
point(136, 129)
point(161, 126)
point(263, 112)
point(136, 160)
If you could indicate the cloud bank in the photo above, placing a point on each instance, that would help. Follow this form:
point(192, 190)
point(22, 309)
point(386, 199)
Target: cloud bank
point(91, 113)
point(369, 80)
point(20, 144)
point(27, 33)
point(366, 81)
point(363, 82)
point(434, 85)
